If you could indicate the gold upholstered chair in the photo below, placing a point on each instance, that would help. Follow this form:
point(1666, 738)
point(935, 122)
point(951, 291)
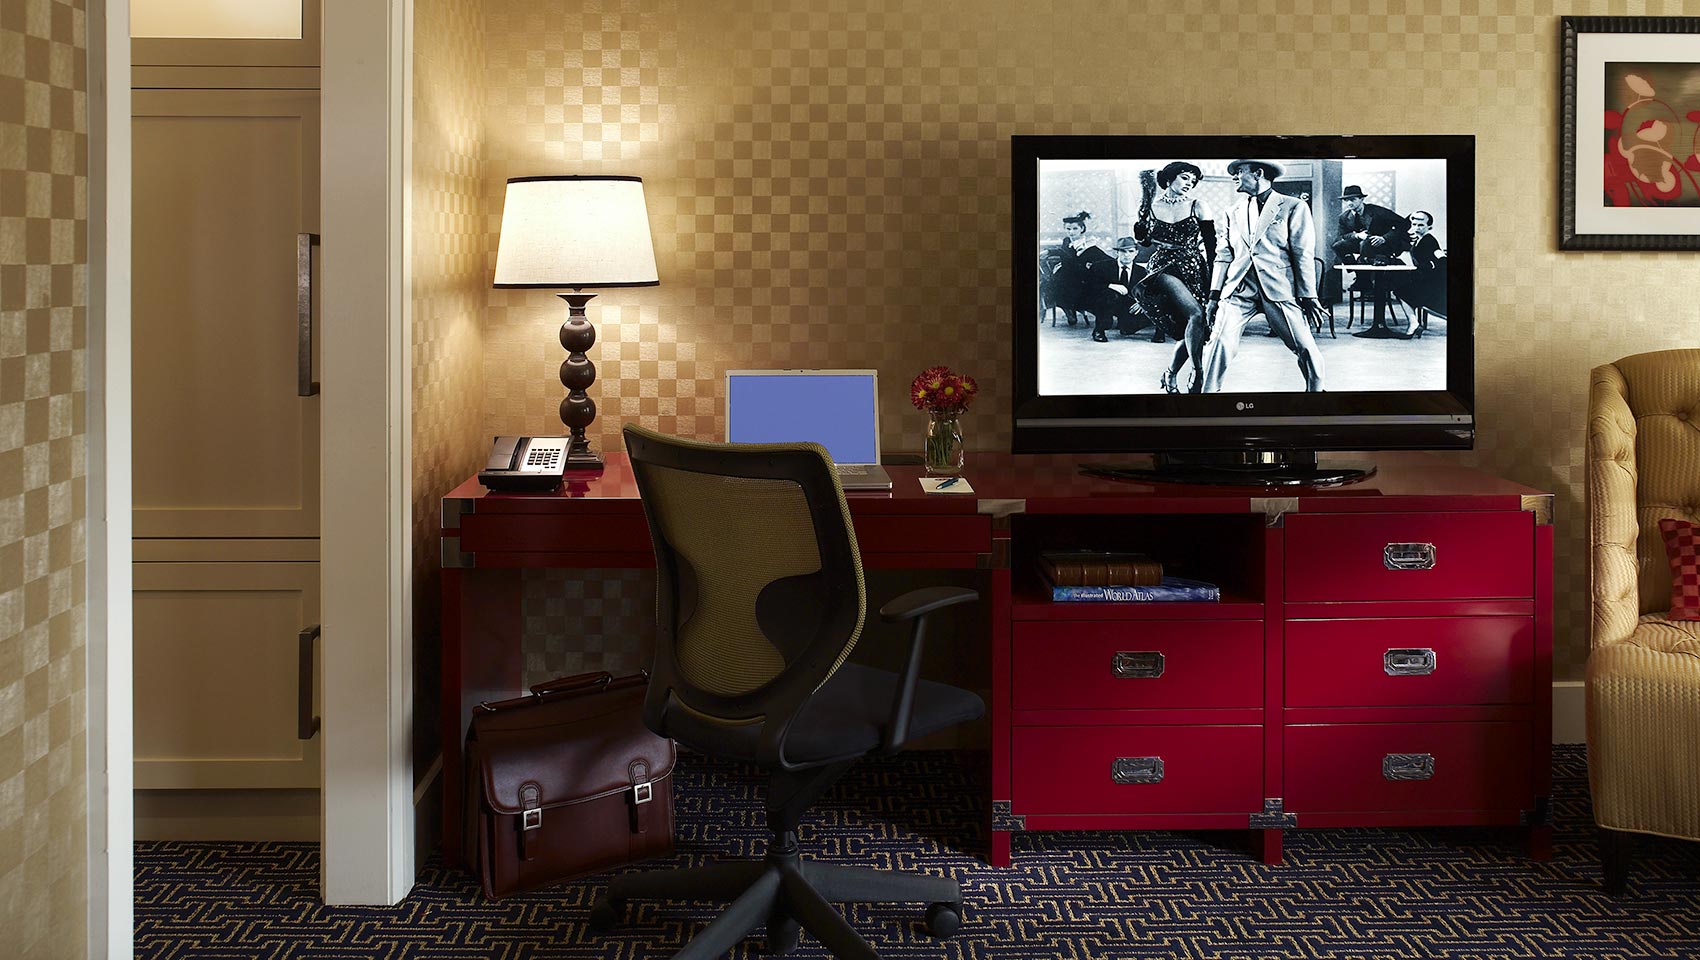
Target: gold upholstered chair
point(1643, 675)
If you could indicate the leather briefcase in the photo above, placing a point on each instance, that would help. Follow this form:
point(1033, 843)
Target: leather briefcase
point(564, 783)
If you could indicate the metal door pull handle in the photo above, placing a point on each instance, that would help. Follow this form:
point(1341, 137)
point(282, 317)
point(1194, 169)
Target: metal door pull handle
point(305, 385)
point(1141, 665)
point(306, 724)
point(1137, 770)
point(1408, 766)
point(1408, 662)
point(1408, 556)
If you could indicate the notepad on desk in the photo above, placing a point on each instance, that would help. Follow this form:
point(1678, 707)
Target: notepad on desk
point(946, 485)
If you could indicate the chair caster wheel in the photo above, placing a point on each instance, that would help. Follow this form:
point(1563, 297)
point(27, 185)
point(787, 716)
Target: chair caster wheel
point(944, 919)
point(604, 915)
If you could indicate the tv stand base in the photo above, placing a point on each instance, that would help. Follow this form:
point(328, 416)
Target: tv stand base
point(1273, 468)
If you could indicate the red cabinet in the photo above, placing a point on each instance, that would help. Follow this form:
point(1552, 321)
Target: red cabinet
point(1374, 667)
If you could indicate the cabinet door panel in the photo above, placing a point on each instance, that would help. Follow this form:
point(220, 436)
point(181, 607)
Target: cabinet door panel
point(224, 446)
point(216, 656)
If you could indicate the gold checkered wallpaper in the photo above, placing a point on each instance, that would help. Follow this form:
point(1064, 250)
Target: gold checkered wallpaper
point(43, 390)
point(448, 296)
point(828, 186)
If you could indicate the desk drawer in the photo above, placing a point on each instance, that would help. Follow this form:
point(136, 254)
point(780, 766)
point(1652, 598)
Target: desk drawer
point(1409, 662)
point(1410, 556)
point(1128, 769)
point(1152, 664)
point(1364, 767)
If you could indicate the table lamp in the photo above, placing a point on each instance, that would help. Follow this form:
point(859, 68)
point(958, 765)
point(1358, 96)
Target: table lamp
point(577, 232)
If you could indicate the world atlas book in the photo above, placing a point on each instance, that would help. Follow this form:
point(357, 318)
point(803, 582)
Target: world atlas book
point(1171, 589)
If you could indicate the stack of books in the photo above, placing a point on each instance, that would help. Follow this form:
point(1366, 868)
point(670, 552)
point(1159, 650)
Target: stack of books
point(1116, 576)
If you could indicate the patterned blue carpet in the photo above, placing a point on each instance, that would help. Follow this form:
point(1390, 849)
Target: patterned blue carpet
point(1361, 894)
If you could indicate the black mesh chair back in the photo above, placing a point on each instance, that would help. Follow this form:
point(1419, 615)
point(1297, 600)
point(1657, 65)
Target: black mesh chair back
point(755, 560)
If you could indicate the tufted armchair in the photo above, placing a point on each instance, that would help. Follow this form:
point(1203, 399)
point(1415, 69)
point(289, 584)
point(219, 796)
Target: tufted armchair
point(1643, 674)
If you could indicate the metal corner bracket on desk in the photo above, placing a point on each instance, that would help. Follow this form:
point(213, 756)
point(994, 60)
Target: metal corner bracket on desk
point(456, 507)
point(1539, 504)
point(1274, 508)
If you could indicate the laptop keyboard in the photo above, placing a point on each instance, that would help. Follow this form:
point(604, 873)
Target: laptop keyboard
point(851, 470)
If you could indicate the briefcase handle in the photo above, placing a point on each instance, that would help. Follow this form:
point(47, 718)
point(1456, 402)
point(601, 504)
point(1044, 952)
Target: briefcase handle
point(599, 681)
point(581, 681)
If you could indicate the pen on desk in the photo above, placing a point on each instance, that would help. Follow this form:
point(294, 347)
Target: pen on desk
point(947, 483)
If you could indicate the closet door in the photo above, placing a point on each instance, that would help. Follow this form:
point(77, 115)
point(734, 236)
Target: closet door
point(227, 186)
point(219, 676)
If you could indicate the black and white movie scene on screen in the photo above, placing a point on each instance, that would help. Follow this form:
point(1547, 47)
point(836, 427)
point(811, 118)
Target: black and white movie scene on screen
point(1241, 275)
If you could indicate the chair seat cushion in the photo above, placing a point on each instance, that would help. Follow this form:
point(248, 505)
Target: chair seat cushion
point(847, 716)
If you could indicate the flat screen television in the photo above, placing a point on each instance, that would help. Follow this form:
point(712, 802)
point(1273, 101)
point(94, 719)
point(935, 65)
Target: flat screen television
point(1343, 268)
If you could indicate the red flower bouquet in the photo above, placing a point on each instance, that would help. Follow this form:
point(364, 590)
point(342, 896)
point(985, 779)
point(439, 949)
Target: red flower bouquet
point(939, 391)
point(944, 395)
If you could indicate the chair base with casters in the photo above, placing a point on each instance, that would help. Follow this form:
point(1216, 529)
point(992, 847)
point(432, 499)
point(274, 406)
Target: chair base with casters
point(785, 893)
point(862, 711)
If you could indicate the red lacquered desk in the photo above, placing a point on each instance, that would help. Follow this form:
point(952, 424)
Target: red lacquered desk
point(1381, 655)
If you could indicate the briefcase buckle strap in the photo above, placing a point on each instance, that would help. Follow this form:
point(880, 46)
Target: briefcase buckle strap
point(531, 800)
point(642, 792)
point(532, 819)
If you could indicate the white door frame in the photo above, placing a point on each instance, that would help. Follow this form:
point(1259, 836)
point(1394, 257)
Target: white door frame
point(366, 539)
point(110, 755)
point(367, 838)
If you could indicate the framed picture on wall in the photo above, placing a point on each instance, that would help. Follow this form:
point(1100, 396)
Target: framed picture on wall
point(1630, 147)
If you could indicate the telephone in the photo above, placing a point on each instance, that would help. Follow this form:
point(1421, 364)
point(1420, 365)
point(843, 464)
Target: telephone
point(525, 463)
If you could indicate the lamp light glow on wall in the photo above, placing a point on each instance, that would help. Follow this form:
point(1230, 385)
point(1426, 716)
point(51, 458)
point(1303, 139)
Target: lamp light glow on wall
point(576, 232)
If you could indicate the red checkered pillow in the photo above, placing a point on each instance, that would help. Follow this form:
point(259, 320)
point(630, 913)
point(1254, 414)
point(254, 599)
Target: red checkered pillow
point(1682, 546)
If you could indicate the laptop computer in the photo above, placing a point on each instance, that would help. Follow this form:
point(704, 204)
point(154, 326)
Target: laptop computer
point(838, 409)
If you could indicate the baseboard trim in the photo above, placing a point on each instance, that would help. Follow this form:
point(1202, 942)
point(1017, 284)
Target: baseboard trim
point(1569, 712)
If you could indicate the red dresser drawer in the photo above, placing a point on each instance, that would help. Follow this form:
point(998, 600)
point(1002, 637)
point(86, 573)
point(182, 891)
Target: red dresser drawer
point(1364, 767)
point(1177, 769)
point(1431, 661)
point(1410, 556)
point(1130, 664)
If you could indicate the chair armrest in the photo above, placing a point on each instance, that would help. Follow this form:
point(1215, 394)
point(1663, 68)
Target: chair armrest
point(914, 605)
point(1613, 524)
point(919, 603)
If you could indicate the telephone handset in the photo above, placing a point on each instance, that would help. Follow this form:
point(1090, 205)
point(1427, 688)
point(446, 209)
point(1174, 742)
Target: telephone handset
point(525, 463)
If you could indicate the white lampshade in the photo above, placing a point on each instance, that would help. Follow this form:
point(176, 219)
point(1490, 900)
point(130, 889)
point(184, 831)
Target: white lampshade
point(575, 232)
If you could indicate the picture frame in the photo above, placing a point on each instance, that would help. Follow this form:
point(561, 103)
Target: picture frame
point(1618, 73)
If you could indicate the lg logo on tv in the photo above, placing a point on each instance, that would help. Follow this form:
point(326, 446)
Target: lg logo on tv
point(1242, 405)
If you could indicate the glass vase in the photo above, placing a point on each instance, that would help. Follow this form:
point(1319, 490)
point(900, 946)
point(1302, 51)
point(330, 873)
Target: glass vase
point(944, 453)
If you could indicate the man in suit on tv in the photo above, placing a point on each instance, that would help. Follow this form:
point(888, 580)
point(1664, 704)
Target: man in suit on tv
point(1368, 230)
point(1265, 264)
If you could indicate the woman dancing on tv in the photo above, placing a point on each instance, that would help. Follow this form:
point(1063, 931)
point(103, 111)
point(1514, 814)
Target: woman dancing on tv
point(1067, 279)
point(1185, 234)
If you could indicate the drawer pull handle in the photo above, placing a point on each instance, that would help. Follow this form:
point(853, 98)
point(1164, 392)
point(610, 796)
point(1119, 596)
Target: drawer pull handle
point(1408, 662)
point(1142, 665)
point(1408, 766)
point(1408, 556)
point(1137, 770)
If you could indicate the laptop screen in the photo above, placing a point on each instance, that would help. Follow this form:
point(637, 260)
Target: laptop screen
point(836, 409)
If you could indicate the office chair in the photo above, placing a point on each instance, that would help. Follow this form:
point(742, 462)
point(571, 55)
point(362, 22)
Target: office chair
point(760, 599)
